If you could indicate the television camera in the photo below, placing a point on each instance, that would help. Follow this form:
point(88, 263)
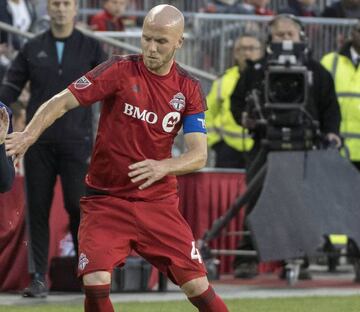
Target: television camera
point(280, 107)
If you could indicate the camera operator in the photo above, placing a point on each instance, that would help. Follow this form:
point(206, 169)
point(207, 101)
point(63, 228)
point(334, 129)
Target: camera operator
point(226, 138)
point(344, 66)
point(321, 105)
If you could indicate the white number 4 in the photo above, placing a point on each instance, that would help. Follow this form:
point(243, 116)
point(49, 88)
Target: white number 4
point(195, 254)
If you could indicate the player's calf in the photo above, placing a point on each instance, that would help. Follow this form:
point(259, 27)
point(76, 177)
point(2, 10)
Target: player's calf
point(202, 296)
point(209, 301)
point(97, 292)
point(97, 298)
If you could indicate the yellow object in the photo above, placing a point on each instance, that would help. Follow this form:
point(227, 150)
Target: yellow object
point(347, 85)
point(220, 123)
point(338, 239)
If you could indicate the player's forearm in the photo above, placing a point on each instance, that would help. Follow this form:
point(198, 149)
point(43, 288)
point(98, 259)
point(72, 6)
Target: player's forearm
point(150, 171)
point(45, 116)
point(193, 159)
point(187, 162)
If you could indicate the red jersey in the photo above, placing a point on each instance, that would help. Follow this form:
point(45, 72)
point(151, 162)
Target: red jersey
point(104, 21)
point(140, 117)
point(264, 11)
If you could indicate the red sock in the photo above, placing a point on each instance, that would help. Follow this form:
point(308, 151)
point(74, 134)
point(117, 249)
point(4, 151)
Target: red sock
point(97, 299)
point(209, 301)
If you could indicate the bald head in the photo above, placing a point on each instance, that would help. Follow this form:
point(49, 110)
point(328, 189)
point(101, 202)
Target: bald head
point(162, 36)
point(166, 16)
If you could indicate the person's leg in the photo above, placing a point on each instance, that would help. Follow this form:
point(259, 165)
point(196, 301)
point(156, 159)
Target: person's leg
point(106, 229)
point(97, 292)
point(40, 176)
point(159, 242)
point(203, 296)
point(73, 165)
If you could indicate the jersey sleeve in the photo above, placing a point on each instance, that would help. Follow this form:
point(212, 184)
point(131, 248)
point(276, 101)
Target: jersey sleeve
point(97, 84)
point(196, 102)
point(10, 121)
point(97, 24)
point(7, 170)
point(10, 130)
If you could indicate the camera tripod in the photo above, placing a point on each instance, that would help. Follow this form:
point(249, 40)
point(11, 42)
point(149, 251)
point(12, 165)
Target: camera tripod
point(318, 213)
point(251, 193)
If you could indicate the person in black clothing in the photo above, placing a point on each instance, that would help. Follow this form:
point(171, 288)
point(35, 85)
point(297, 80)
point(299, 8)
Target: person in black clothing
point(51, 61)
point(20, 14)
point(300, 8)
point(343, 9)
point(322, 106)
point(7, 170)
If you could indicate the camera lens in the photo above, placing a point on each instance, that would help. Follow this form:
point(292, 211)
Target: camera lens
point(286, 88)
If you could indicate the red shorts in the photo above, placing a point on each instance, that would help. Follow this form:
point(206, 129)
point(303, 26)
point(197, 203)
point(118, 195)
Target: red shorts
point(111, 227)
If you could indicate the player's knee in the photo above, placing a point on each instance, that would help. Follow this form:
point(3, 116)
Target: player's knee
point(97, 278)
point(195, 287)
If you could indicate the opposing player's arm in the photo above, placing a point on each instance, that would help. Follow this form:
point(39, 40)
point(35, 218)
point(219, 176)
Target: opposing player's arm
point(4, 124)
point(7, 170)
point(18, 142)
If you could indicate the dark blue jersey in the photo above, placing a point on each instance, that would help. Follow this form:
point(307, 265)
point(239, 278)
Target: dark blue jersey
point(7, 170)
point(10, 115)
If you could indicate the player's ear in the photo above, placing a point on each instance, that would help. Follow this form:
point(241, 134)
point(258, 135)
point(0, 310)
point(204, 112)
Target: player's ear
point(180, 42)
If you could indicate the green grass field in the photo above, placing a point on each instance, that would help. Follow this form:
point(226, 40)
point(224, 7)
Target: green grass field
point(301, 304)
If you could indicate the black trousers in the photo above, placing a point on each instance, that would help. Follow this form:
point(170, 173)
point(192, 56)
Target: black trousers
point(228, 157)
point(43, 163)
point(356, 164)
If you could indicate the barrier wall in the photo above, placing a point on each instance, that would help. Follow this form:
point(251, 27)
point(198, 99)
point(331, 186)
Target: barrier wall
point(204, 197)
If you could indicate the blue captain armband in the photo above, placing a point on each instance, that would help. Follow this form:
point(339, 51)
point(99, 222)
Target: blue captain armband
point(194, 123)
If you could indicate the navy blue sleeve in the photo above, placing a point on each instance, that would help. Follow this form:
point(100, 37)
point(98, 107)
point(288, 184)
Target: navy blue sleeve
point(194, 123)
point(7, 170)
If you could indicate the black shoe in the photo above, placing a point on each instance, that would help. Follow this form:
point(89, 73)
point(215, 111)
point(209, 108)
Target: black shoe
point(246, 270)
point(36, 289)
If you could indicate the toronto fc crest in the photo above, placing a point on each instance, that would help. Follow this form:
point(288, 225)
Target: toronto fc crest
point(178, 101)
point(83, 261)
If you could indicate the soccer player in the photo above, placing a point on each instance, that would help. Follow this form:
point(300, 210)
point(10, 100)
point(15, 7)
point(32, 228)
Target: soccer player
point(7, 170)
point(132, 200)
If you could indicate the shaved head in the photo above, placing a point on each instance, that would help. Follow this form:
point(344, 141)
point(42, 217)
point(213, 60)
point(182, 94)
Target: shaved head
point(167, 16)
point(162, 35)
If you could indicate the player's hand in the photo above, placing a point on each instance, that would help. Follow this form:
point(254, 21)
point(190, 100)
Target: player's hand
point(4, 124)
point(149, 170)
point(17, 143)
point(247, 122)
point(334, 140)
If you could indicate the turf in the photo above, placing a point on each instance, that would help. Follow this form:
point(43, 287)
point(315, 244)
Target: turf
point(301, 304)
